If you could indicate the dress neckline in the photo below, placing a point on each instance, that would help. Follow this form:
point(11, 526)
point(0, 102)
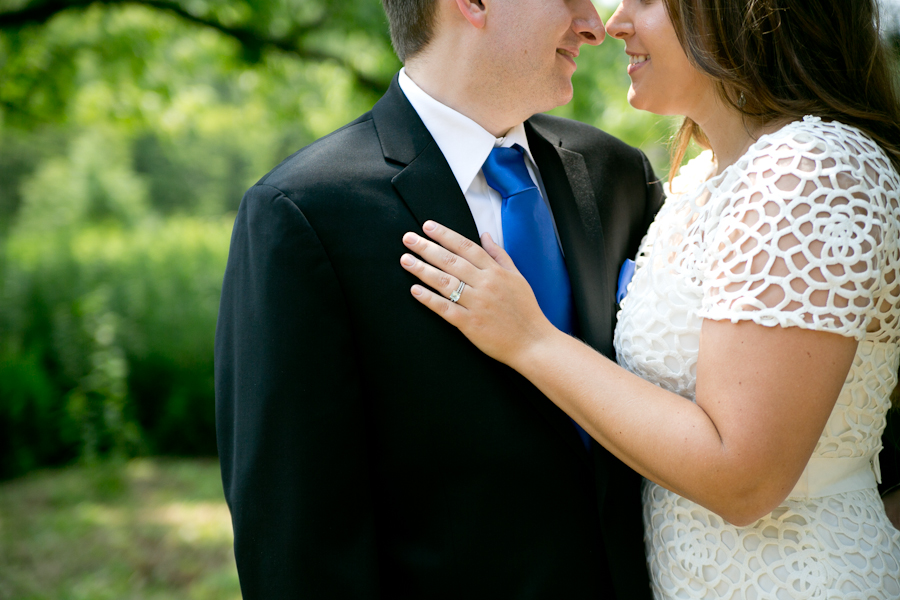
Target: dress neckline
point(712, 182)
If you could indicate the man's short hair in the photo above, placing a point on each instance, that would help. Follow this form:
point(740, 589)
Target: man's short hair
point(411, 23)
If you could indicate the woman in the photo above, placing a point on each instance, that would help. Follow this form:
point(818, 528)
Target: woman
point(760, 337)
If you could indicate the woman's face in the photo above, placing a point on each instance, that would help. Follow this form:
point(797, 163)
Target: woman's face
point(663, 81)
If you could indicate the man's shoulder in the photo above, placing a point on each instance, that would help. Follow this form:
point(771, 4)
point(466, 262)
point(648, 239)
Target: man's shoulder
point(336, 164)
point(330, 153)
point(579, 136)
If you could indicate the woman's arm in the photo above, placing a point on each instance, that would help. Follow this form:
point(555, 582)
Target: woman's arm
point(764, 394)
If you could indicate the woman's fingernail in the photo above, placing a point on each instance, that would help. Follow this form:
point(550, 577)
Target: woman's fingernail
point(417, 290)
point(429, 226)
point(407, 260)
point(410, 238)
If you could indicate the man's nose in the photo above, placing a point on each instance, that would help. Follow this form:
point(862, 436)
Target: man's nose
point(588, 24)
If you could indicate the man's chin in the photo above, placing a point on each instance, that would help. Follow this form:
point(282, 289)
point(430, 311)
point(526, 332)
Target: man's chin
point(562, 95)
point(548, 96)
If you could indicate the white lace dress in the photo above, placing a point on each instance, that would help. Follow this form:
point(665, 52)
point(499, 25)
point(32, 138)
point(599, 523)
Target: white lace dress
point(818, 200)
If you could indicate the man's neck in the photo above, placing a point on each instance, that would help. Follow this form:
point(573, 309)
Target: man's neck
point(453, 86)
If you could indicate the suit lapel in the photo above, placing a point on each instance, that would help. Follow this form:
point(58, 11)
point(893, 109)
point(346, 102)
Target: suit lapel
point(430, 190)
point(574, 205)
point(425, 183)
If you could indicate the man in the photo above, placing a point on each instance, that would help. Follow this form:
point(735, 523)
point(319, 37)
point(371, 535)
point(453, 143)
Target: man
point(367, 449)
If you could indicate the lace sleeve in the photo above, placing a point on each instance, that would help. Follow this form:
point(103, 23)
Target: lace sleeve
point(798, 240)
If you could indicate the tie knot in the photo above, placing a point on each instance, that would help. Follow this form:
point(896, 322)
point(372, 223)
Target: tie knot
point(505, 171)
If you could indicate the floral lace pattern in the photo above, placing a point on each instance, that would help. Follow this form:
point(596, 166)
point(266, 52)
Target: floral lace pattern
point(802, 231)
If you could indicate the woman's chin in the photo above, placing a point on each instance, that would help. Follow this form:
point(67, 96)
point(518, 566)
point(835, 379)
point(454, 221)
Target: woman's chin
point(641, 102)
point(636, 101)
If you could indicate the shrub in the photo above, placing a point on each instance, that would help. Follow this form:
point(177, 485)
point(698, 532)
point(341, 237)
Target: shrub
point(107, 341)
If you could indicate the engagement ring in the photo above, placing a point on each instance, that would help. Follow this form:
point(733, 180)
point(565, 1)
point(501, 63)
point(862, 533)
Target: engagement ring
point(454, 297)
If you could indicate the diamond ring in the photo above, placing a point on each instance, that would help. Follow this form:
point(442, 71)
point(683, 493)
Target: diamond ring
point(454, 297)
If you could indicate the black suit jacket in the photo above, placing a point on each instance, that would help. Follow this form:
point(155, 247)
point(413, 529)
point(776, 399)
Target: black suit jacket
point(368, 450)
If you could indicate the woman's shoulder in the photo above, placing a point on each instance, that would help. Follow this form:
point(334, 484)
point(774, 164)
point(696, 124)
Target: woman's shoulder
point(811, 154)
point(691, 174)
point(815, 142)
point(811, 150)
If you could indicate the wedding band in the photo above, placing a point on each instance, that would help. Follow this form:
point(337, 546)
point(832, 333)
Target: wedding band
point(454, 297)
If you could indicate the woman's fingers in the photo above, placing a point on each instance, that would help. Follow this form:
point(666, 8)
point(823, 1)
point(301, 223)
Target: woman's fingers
point(444, 283)
point(497, 253)
point(458, 244)
point(452, 313)
point(441, 258)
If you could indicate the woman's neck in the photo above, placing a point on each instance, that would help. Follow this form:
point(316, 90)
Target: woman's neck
point(730, 134)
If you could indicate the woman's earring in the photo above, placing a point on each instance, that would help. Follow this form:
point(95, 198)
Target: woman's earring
point(742, 100)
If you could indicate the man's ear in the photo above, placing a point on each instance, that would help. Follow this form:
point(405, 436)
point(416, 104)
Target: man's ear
point(474, 11)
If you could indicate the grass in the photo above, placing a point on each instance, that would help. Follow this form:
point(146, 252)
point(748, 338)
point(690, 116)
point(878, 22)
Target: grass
point(147, 529)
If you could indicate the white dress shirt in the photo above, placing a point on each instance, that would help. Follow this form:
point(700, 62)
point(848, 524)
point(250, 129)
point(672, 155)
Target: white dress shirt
point(466, 145)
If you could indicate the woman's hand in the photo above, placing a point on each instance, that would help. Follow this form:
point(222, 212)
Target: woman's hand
point(496, 309)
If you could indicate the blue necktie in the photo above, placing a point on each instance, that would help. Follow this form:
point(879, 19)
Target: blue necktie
point(530, 240)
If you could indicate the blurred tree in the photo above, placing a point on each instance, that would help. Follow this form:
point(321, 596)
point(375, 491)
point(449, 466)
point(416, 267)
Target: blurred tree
point(890, 23)
point(304, 28)
point(200, 114)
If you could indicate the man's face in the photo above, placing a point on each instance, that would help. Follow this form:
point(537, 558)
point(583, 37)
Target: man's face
point(533, 45)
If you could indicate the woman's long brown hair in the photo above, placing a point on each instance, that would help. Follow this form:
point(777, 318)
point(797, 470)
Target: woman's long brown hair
point(791, 58)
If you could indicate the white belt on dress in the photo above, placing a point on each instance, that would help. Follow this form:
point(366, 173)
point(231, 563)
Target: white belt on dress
point(829, 476)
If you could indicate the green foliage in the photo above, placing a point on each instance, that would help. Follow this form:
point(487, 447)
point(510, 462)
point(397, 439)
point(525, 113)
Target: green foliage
point(94, 182)
point(108, 336)
point(120, 62)
point(33, 428)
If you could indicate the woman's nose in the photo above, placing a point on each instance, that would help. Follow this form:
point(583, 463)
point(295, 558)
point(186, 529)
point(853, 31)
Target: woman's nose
point(619, 24)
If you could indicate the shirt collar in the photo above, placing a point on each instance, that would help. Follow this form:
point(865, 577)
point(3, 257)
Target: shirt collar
point(464, 143)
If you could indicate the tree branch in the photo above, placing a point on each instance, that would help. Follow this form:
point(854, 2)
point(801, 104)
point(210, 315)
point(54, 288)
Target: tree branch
point(251, 39)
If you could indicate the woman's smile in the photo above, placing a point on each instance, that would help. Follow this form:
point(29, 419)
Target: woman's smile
point(636, 61)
